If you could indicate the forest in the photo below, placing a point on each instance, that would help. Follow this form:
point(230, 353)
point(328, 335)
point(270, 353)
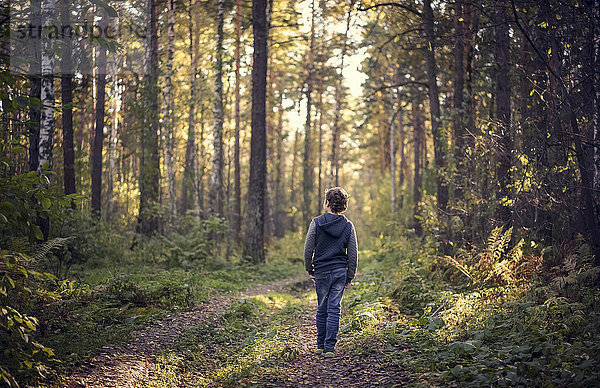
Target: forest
point(161, 161)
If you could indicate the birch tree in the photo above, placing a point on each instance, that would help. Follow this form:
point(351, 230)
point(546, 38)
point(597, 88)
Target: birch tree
point(168, 120)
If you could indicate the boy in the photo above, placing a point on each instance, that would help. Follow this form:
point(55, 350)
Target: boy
point(330, 258)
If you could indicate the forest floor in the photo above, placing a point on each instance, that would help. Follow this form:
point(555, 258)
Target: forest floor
point(158, 355)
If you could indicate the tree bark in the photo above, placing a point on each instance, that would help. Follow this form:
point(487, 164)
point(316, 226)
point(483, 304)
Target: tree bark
point(458, 98)
point(503, 113)
point(596, 120)
point(168, 119)
point(320, 140)
point(401, 149)
point(254, 239)
point(439, 142)
point(216, 183)
point(339, 97)
point(150, 163)
point(35, 70)
point(236, 152)
point(112, 143)
point(47, 121)
point(308, 171)
point(417, 120)
point(393, 152)
point(278, 167)
point(190, 178)
point(66, 68)
point(99, 128)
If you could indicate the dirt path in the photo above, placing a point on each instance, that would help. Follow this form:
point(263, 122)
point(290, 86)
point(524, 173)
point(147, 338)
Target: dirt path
point(346, 369)
point(122, 366)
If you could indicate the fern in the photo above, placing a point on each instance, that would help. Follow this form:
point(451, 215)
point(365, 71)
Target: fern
point(41, 251)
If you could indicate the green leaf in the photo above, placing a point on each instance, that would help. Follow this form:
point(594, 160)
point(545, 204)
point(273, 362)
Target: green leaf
point(46, 203)
point(38, 232)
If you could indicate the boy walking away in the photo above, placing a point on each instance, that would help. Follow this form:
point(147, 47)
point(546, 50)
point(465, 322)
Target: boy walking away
point(330, 258)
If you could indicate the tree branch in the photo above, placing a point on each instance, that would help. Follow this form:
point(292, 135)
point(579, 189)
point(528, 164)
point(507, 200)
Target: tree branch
point(409, 9)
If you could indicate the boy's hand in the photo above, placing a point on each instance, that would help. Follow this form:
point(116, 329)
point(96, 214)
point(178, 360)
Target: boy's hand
point(312, 277)
point(347, 285)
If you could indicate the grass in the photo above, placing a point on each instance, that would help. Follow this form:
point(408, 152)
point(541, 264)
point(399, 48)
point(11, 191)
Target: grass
point(251, 340)
point(107, 303)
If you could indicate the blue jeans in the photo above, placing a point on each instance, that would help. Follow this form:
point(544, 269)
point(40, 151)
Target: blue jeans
point(330, 288)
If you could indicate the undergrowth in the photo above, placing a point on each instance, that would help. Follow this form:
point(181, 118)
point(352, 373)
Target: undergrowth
point(494, 317)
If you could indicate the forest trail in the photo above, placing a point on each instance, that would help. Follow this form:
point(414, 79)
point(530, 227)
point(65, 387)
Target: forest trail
point(128, 365)
point(346, 369)
point(124, 365)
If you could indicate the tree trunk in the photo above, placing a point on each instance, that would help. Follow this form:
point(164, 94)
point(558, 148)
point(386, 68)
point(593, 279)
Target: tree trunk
point(459, 82)
point(66, 68)
point(150, 163)
point(439, 142)
point(417, 120)
point(35, 70)
point(401, 151)
point(47, 120)
point(190, 178)
point(278, 165)
point(320, 129)
point(112, 143)
point(99, 128)
point(168, 119)
point(254, 240)
point(503, 113)
point(216, 183)
point(596, 118)
point(293, 180)
point(236, 153)
point(393, 152)
point(339, 97)
point(308, 171)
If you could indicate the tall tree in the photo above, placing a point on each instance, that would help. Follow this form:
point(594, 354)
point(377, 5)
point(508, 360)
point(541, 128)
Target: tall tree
point(216, 183)
point(236, 151)
point(458, 95)
point(393, 151)
point(150, 163)
point(66, 83)
point(35, 70)
point(418, 137)
point(308, 170)
point(99, 128)
point(503, 110)
point(439, 140)
point(168, 119)
point(190, 172)
point(254, 239)
point(47, 121)
point(339, 97)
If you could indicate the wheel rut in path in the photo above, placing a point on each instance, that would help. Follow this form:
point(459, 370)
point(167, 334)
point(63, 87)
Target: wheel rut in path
point(124, 365)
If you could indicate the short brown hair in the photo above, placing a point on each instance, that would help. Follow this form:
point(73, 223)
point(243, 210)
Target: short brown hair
point(337, 198)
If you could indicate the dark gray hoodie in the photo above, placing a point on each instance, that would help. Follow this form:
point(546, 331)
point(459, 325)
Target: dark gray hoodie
point(331, 244)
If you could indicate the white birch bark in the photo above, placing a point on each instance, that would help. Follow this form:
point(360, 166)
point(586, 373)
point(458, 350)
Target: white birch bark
point(168, 110)
point(47, 121)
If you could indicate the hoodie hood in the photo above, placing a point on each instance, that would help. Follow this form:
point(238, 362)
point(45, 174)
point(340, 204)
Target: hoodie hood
point(332, 224)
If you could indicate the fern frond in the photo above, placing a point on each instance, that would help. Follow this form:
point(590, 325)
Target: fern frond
point(40, 251)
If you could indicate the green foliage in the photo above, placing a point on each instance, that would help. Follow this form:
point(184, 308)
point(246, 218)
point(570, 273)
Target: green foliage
point(20, 286)
point(197, 246)
point(496, 264)
point(510, 329)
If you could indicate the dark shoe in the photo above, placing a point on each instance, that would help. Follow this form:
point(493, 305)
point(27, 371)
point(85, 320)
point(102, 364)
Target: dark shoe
point(319, 351)
point(328, 354)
